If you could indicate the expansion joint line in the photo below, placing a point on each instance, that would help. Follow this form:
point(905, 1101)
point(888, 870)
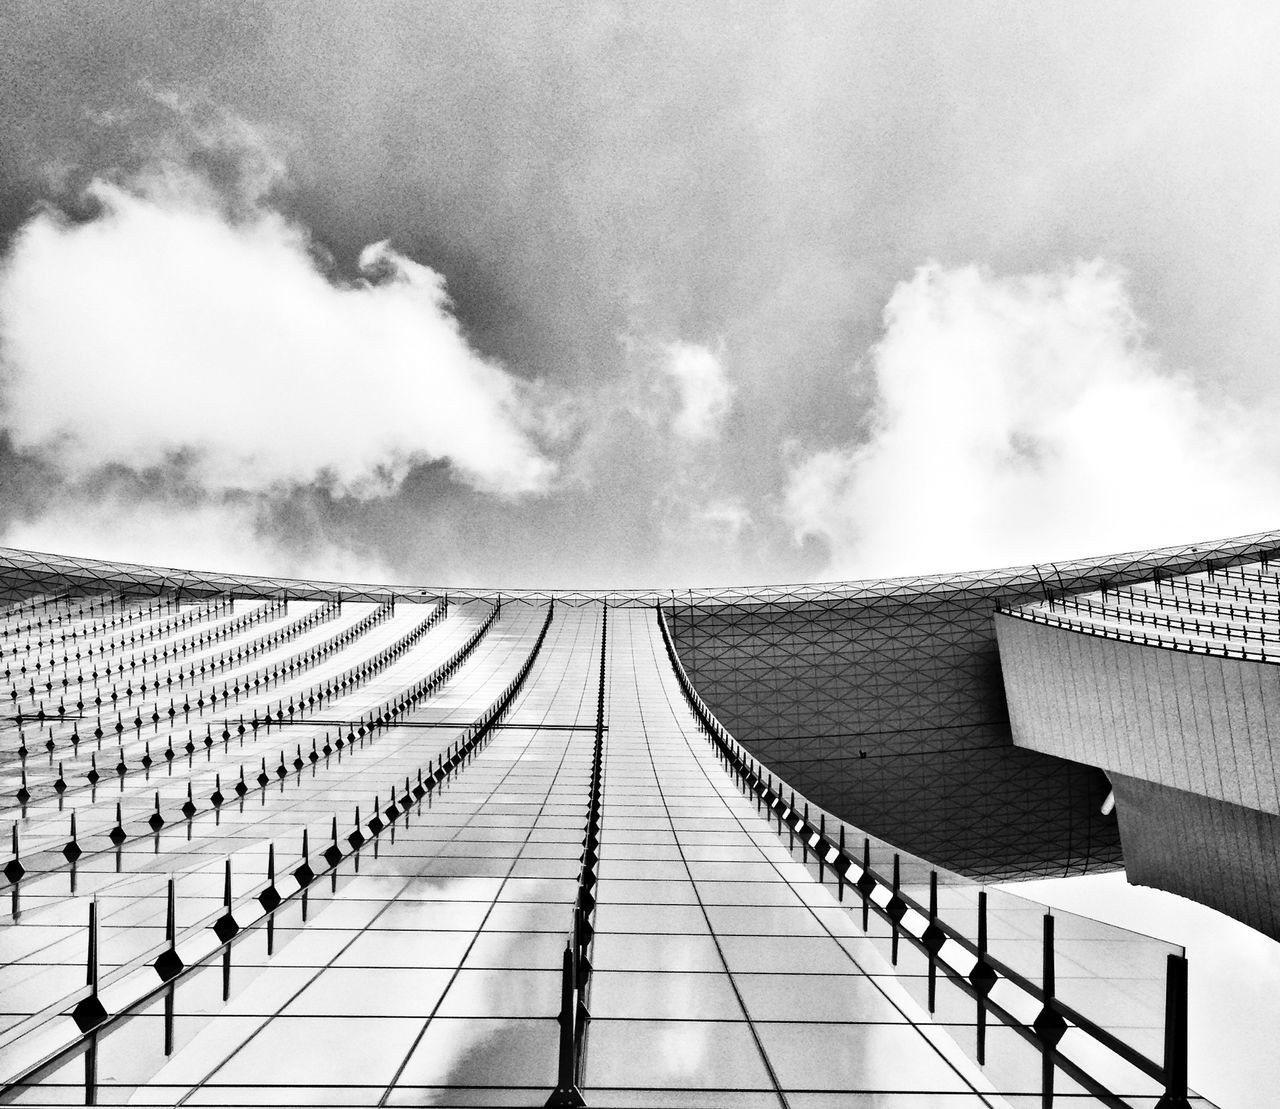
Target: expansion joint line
point(382, 716)
point(194, 642)
point(921, 926)
point(298, 664)
point(307, 699)
point(91, 634)
point(17, 609)
point(354, 676)
point(84, 1015)
point(229, 658)
point(575, 976)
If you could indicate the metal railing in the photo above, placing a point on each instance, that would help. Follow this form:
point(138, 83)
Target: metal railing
point(575, 971)
point(1169, 641)
point(83, 1015)
point(1237, 629)
point(921, 926)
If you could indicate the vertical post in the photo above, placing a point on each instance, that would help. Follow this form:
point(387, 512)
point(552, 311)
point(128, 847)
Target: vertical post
point(866, 891)
point(982, 996)
point(91, 968)
point(303, 874)
point(92, 1010)
point(840, 874)
point(1047, 963)
point(897, 882)
point(170, 934)
point(226, 949)
point(271, 884)
point(1175, 1035)
point(1049, 1025)
point(566, 1092)
point(933, 955)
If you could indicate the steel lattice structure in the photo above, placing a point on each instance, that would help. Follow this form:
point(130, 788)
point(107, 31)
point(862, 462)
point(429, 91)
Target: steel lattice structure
point(523, 839)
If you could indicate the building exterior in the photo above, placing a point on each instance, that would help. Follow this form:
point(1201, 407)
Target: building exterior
point(1170, 686)
point(282, 842)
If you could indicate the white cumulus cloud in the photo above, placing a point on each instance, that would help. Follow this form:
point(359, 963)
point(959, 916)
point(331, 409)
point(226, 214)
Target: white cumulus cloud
point(702, 388)
point(167, 328)
point(1022, 419)
point(220, 536)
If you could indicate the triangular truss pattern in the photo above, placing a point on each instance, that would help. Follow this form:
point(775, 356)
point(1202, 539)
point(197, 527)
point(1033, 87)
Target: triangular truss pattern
point(25, 574)
point(1228, 612)
point(881, 700)
point(884, 703)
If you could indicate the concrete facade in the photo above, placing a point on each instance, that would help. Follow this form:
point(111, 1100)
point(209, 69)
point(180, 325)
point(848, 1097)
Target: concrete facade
point(1174, 691)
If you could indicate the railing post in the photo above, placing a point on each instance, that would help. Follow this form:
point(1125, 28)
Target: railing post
point(1049, 1026)
point(866, 883)
point(90, 1013)
point(173, 965)
point(982, 977)
point(840, 874)
point(933, 953)
point(893, 900)
point(566, 1092)
point(1175, 1035)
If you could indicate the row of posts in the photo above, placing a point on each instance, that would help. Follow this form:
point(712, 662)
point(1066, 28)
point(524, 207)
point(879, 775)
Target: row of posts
point(1049, 1025)
point(89, 1014)
point(575, 979)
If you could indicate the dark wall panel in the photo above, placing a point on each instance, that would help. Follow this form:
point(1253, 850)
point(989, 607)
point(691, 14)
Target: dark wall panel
point(884, 702)
point(1223, 855)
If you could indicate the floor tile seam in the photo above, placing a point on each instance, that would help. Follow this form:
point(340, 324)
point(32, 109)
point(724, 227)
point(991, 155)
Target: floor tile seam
point(358, 933)
point(280, 621)
point(782, 878)
point(280, 815)
point(444, 646)
point(194, 776)
point(294, 803)
point(633, 672)
point(532, 737)
point(312, 637)
point(384, 636)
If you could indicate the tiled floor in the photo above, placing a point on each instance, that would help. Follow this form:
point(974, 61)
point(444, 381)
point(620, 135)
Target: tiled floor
point(426, 969)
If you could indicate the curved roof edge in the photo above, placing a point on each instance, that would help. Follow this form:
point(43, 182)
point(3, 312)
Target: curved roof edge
point(25, 572)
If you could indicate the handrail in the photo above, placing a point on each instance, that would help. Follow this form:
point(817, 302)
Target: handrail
point(84, 1007)
point(381, 716)
point(1237, 626)
point(1166, 642)
point(1046, 1031)
point(575, 970)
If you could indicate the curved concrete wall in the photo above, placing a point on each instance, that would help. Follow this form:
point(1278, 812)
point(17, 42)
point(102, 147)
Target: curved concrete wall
point(884, 703)
point(1187, 740)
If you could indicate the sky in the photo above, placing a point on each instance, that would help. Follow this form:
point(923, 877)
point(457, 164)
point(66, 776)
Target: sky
point(625, 295)
point(592, 295)
point(1233, 979)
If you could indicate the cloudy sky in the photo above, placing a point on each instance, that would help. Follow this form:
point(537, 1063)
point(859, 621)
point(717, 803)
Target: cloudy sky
point(615, 294)
point(560, 294)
